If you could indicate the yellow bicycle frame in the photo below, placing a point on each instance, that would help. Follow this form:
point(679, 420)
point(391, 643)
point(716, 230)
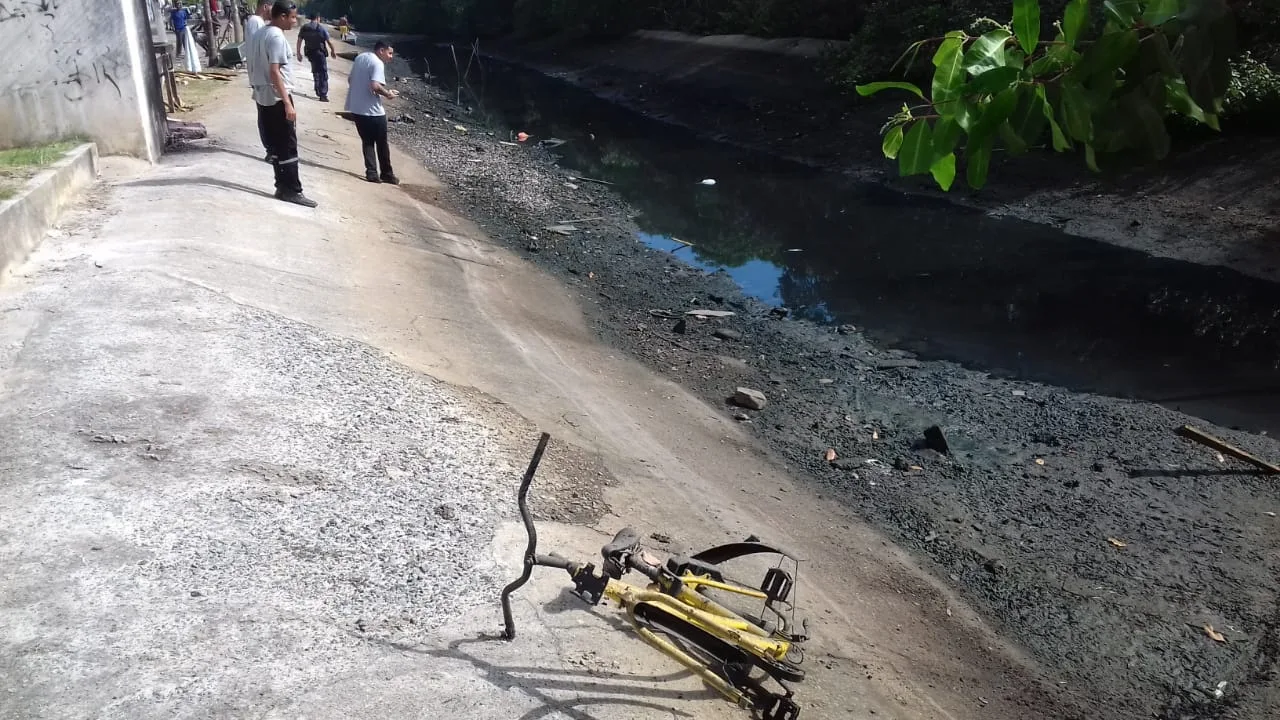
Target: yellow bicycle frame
point(705, 614)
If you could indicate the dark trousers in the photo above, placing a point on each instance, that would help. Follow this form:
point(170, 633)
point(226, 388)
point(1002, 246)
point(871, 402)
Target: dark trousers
point(320, 71)
point(282, 143)
point(373, 140)
point(262, 132)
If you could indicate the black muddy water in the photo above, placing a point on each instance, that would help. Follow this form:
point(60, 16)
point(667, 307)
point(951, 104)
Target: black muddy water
point(1010, 297)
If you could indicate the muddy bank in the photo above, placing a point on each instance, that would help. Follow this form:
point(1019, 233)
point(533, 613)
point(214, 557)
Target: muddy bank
point(1019, 516)
point(1214, 203)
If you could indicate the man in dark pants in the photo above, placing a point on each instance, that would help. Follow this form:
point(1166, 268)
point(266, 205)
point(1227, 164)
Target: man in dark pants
point(179, 17)
point(272, 86)
point(314, 44)
point(366, 87)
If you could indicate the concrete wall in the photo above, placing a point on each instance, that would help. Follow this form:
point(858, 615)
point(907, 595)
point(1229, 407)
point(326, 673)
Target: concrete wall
point(80, 68)
point(25, 218)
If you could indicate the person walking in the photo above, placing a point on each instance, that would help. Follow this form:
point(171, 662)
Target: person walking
point(252, 25)
point(314, 44)
point(366, 87)
point(272, 86)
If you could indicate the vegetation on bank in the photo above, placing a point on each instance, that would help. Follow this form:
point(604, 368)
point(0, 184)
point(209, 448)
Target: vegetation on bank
point(1010, 88)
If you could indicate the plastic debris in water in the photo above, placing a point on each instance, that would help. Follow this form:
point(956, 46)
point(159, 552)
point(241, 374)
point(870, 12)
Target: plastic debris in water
point(708, 181)
point(522, 136)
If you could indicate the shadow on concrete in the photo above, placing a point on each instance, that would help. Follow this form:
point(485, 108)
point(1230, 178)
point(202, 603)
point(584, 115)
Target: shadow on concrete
point(198, 180)
point(591, 687)
point(258, 158)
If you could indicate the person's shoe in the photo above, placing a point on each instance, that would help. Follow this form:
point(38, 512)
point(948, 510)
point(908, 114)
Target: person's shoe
point(390, 179)
point(296, 199)
point(324, 99)
point(373, 178)
point(268, 158)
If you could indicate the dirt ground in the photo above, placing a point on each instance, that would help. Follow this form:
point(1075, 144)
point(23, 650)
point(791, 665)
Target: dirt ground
point(1080, 526)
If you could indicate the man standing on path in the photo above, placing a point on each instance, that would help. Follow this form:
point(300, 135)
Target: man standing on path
point(251, 27)
point(366, 86)
point(255, 23)
point(179, 17)
point(272, 86)
point(314, 44)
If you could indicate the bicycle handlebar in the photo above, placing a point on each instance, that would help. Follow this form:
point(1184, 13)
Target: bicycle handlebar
point(530, 557)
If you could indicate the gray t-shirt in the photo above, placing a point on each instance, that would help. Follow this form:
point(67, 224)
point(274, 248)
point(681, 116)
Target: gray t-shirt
point(270, 48)
point(361, 99)
point(251, 28)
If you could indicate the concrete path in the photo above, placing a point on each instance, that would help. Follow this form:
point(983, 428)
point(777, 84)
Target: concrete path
point(259, 462)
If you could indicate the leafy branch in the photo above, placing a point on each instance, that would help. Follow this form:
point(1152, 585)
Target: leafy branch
point(1009, 89)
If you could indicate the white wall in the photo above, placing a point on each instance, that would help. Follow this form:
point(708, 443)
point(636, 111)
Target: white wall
point(79, 67)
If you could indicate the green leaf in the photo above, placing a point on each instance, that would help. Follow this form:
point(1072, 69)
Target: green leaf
point(875, 87)
point(1158, 12)
point(1012, 141)
point(993, 81)
point(1090, 158)
point(1146, 125)
point(1028, 119)
point(916, 154)
point(944, 171)
point(948, 78)
point(892, 142)
point(1077, 112)
point(994, 114)
point(946, 134)
point(1180, 100)
point(977, 159)
point(1059, 140)
point(1026, 24)
point(987, 52)
point(1074, 19)
point(1121, 13)
point(1111, 51)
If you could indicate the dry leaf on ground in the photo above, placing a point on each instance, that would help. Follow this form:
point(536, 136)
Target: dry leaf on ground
point(1214, 635)
point(830, 455)
point(1117, 543)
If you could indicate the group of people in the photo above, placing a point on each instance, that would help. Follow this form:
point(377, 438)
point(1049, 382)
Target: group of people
point(269, 59)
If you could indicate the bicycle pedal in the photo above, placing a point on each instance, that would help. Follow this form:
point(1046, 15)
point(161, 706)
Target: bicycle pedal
point(780, 707)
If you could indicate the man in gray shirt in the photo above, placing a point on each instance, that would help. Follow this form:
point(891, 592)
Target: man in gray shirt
point(272, 79)
point(255, 23)
point(366, 86)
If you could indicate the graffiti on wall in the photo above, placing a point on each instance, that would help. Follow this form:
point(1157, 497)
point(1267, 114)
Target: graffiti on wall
point(73, 66)
point(19, 9)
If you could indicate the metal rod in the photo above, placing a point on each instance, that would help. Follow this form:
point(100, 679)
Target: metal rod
point(530, 557)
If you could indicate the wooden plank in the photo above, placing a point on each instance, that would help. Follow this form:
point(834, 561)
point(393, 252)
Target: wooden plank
point(1226, 448)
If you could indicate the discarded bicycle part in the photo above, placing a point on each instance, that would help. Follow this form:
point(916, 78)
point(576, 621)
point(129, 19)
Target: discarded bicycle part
point(678, 614)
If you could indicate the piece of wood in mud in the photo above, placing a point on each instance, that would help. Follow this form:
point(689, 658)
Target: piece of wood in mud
point(561, 229)
point(1226, 448)
point(710, 313)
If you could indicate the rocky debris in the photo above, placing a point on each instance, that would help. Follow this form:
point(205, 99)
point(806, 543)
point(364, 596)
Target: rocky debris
point(749, 399)
point(846, 329)
point(727, 334)
point(897, 363)
point(936, 441)
point(681, 327)
point(446, 512)
point(780, 312)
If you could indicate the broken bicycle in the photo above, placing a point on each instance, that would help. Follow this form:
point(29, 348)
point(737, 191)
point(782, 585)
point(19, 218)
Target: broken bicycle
point(734, 653)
